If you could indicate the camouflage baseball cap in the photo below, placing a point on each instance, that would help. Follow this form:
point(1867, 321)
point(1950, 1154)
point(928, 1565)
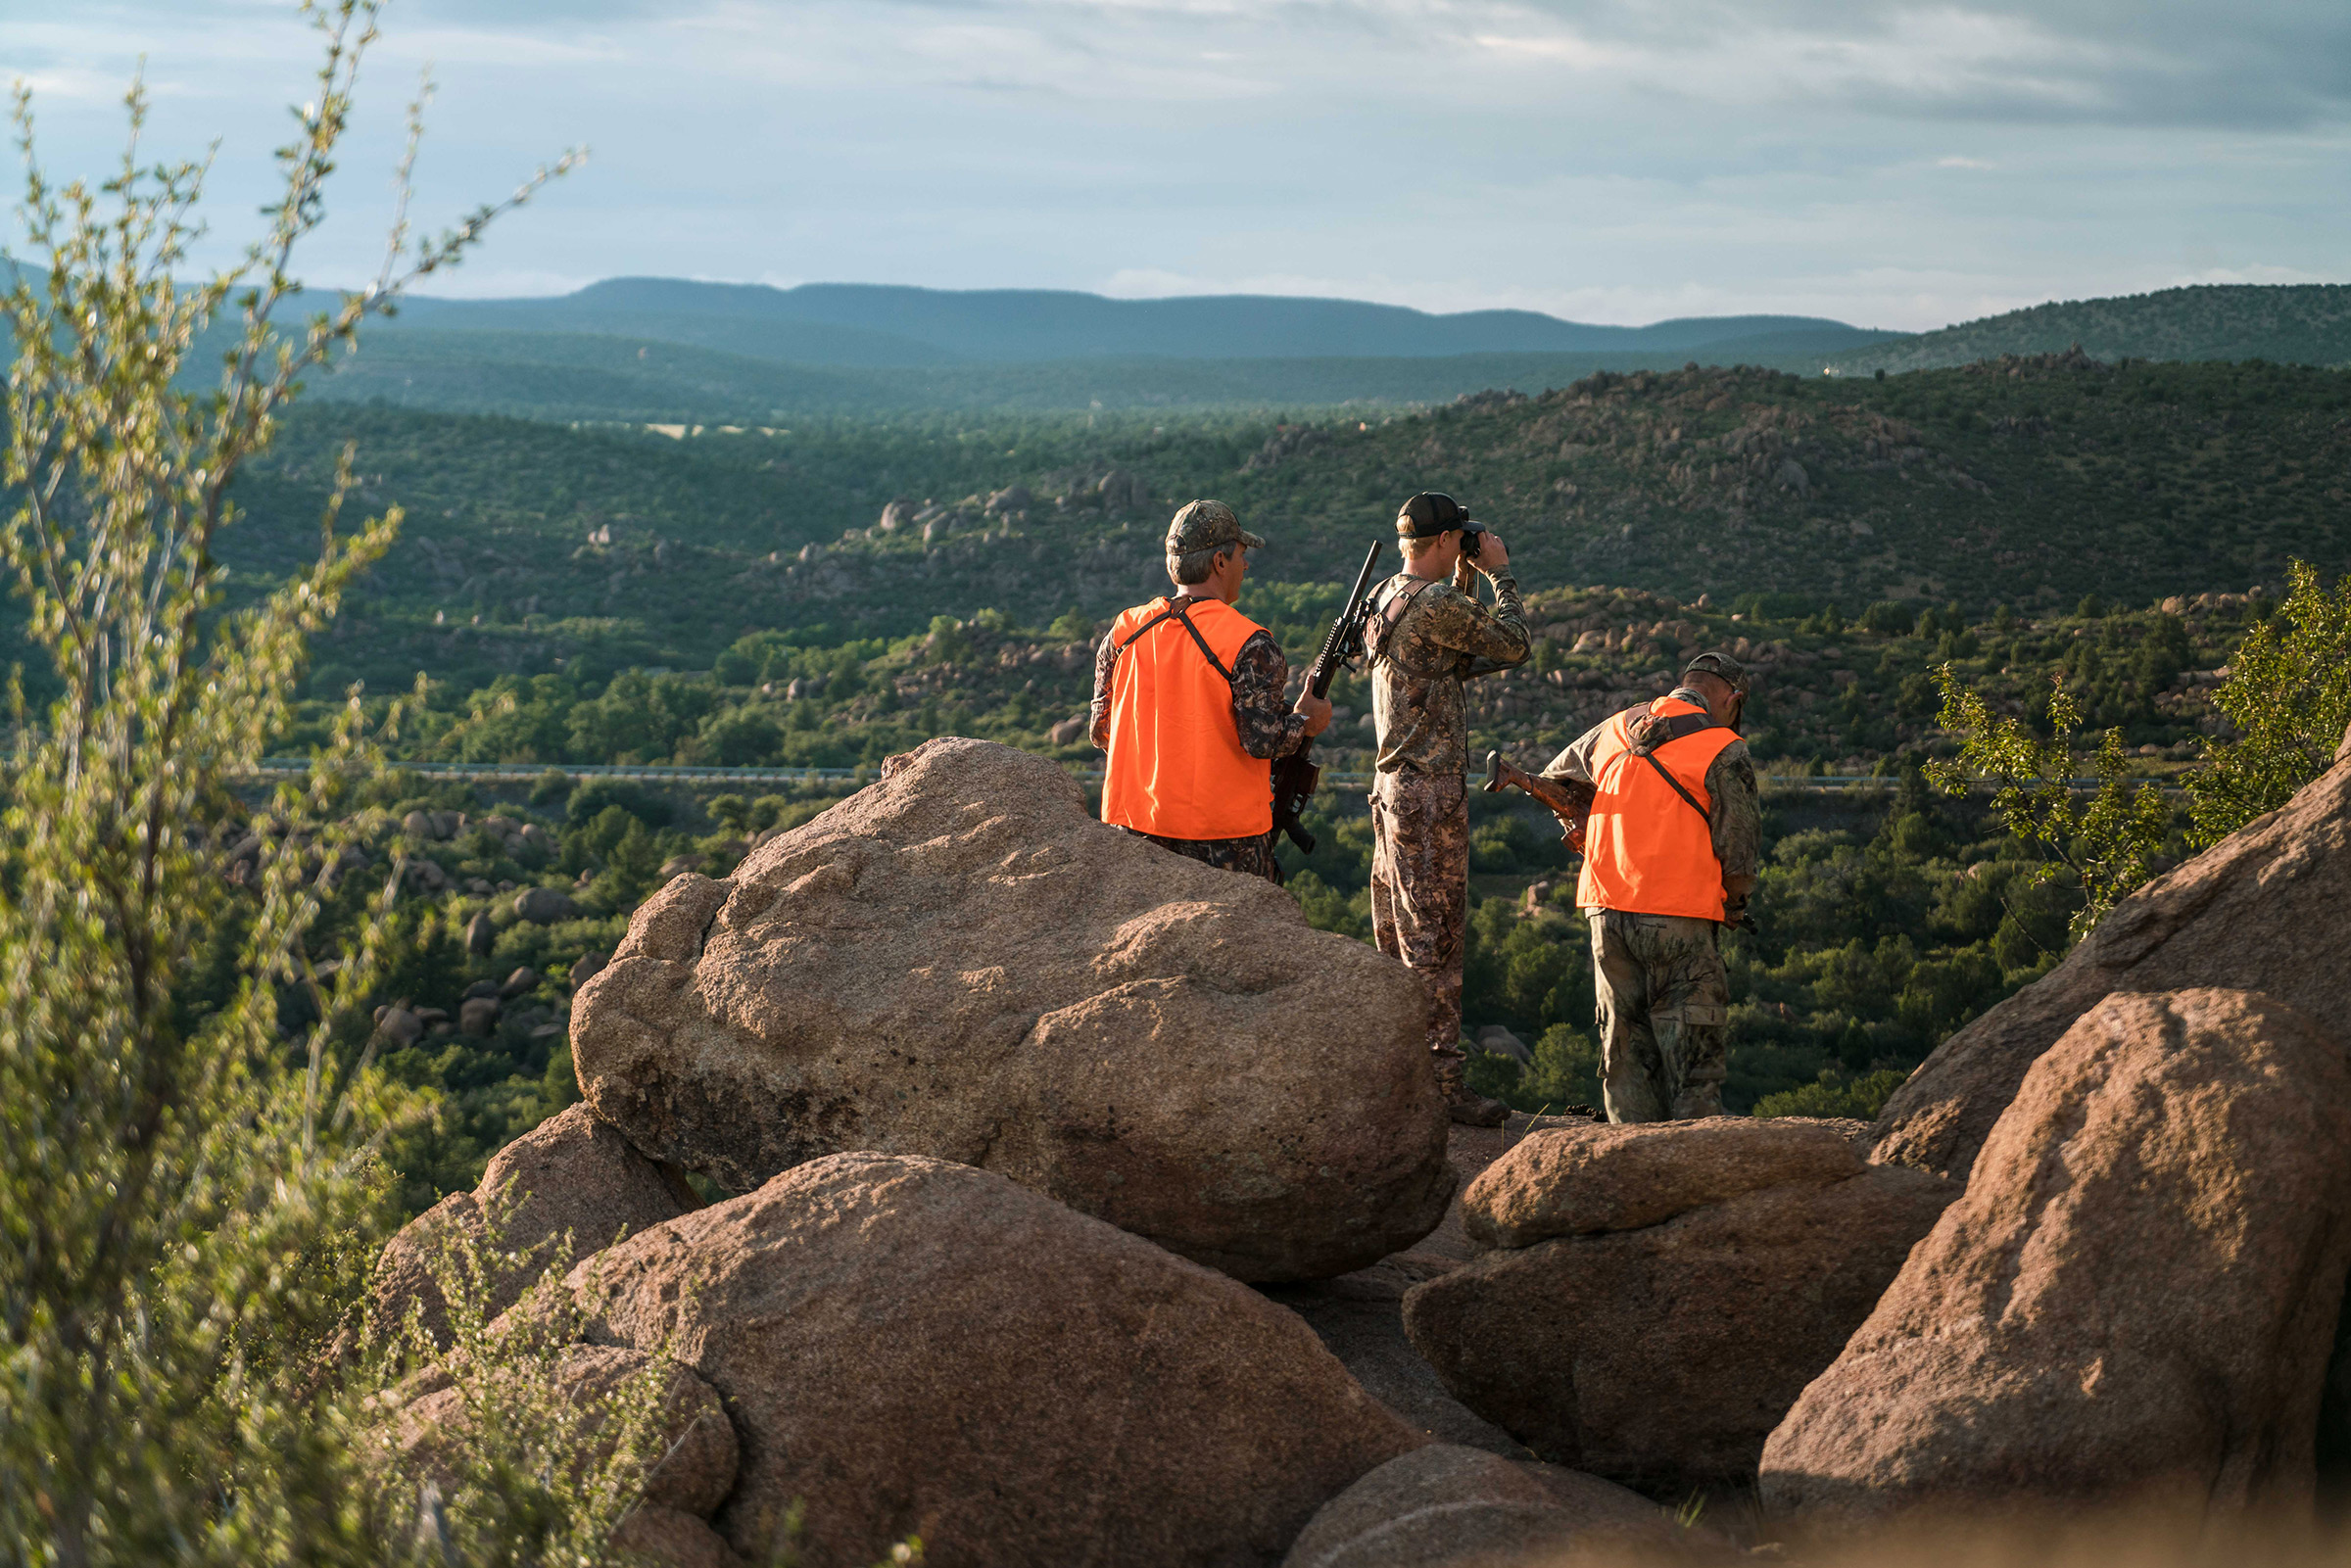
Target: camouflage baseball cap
point(1722, 667)
point(1208, 525)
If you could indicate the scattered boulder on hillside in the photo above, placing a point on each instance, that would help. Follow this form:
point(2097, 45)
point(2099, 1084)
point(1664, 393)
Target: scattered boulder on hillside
point(913, 1347)
point(2139, 1292)
point(959, 960)
point(570, 1174)
point(544, 906)
point(2261, 911)
point(1447, 1506)
point(1658, 1340)
point(1068, 732)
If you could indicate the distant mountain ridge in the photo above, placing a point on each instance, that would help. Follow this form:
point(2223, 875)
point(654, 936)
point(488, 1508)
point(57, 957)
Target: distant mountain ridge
point(869, 325)
point(2295, 323)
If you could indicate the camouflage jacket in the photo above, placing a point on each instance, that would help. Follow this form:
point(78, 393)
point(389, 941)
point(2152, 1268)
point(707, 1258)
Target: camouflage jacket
point(1730, 790)
point(1420, 653)
point(1260, 715)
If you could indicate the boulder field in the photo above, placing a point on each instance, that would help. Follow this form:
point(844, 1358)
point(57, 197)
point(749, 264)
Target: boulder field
point(1091, 1207)
point(960, 962)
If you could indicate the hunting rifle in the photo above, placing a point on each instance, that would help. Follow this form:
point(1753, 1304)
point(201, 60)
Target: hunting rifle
point(1567, 800)
point(1296, 776)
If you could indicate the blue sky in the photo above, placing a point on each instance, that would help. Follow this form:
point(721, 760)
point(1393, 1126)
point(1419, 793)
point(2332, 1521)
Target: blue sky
point(1899, 165)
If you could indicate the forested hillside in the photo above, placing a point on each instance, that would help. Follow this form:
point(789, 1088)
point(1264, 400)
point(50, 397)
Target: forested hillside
point(2289, 323)
point(2030, 483)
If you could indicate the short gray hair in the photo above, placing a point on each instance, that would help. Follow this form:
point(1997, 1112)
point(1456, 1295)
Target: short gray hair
point(1191, 568)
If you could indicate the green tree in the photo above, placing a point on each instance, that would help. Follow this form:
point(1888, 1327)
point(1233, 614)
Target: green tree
point(2288, 692)
point(2106, 839)
point(182, 1187)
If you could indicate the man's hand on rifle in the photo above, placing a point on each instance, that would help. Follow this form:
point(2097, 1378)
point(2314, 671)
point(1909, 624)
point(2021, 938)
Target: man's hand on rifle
point(1317, 710)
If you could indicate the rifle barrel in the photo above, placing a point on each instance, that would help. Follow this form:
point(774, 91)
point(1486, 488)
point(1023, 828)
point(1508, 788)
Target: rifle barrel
point(1334, 645)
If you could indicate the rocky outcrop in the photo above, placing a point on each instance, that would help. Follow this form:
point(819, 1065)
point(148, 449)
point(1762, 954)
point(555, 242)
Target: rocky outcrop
point(960, 962)
point(1445, 1506)
point(1663, 1355)
point(571, 1175)
point(2261, 911)
point(2139, 1291)
point(913, 1347)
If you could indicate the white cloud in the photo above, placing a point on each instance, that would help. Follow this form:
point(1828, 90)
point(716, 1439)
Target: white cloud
point(1606, 160)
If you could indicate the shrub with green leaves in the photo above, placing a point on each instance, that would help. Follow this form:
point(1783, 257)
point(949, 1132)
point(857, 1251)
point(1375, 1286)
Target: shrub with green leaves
point(2105, 838)
point(2288, 693)
point(184, 1178)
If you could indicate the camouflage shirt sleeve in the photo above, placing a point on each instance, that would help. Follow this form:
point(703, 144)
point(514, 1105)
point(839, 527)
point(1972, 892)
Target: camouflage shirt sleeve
point(1488, 640)
point(1260, 677)
point(1507, 644)
point(1106, 657)
point(1575, 763)
point(1738, 818)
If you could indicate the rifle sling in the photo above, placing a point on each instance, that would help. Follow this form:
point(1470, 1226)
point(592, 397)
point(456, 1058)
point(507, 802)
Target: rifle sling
point(1651, 758)
point(1174, 612)
point(1661, 732)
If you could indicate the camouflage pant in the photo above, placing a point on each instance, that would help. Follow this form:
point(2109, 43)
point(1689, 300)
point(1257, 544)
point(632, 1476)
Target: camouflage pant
point(1251, 857)
point(1665, 1007)
point(1420, 887)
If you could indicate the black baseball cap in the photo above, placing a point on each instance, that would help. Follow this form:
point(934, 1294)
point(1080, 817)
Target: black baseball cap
point(1431, 513)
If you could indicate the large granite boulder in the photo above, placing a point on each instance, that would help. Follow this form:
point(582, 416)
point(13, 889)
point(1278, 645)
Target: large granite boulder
point(572, 1175)
point(2261, 911)
point(960, 962)
point(2138, 1293)
point(911, 1347)
point(1661, 1354)
point(1447, 1506)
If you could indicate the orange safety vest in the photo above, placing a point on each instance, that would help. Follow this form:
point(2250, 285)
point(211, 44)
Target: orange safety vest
point(1647, 851)
point(1176, 767)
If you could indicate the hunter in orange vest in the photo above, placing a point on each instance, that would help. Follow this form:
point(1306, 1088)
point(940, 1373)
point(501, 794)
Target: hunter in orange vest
point(1670, 851)
point(1189, 706)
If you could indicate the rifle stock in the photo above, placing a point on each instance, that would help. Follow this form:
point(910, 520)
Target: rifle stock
point(1564, 799)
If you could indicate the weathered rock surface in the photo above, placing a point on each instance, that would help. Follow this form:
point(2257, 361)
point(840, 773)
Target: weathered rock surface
point(2261, 911)
point(1447, 1506)
point(1622, 1176)
point(1663, 1355)
point(2138, 1292)
point(570, 1174)
point(960, 962)
point(918, 1348)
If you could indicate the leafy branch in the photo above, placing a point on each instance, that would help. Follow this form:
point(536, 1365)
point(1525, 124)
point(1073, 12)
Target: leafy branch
point(2107, 837)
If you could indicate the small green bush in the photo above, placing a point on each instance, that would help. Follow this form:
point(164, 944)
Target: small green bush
point(1858, 1099)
